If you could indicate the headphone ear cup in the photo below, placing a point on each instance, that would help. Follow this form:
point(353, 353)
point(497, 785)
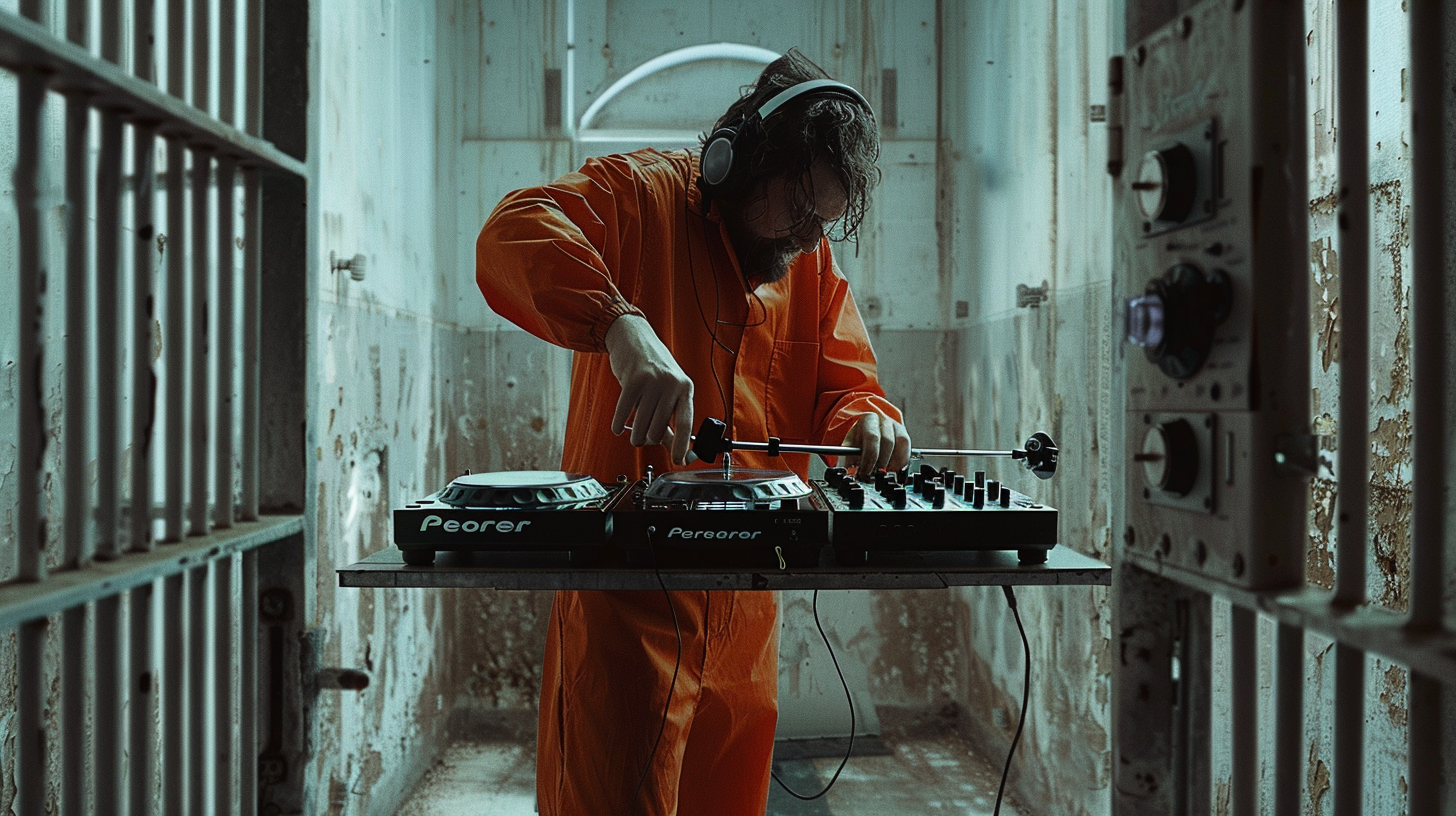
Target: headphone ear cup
point(717, 162)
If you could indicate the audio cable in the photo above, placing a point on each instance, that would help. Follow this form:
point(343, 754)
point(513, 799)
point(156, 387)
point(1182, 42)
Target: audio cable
point(672, 686)
point(850, 750)
point(1025, 696)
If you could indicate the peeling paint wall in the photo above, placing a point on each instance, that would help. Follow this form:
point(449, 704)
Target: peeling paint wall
point(1029, 202)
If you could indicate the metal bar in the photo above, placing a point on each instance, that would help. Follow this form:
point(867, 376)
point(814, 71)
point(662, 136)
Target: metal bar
point(1354, 250)
point(198, 331)
point(109, 309)
point(199, 623)
point(1424, 771)
point(250, 388)
point(26, 601)
point(201, 56)
point(174, 342)
point(177, 50)
point(227, 61)
point(143, 299)
point(173, 693)
point(111, 33)
point(1288, 721)
point(25, 44)
point(248, 687)
point(106, 732)
point(225, 730)
point(30, 746)
point(253, 67)
point(141, 702)
point(75, 415)
point(30, 444)
point(1349, 756)
point(223, 454)
point(78, 21)
point(1244, 669)
point(144, 22)
point(1429, 78)
point(73, 709)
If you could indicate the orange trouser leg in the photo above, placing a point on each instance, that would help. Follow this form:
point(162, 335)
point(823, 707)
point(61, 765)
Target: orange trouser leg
point(609, 664)
point(725, 767)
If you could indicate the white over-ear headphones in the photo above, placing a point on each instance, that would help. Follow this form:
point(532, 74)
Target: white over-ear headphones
point(718, 151)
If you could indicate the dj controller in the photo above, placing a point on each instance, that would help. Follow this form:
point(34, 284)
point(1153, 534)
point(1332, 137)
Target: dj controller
point(732, 517)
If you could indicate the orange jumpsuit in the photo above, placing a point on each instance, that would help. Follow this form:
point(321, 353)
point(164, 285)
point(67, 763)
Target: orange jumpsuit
point(627, 234)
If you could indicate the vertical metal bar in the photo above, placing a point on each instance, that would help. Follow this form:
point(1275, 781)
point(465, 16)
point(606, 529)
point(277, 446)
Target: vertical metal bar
point(106, 722)
point(201, 55)
point(73, 709)
point(1425, 755)
point(78, 22)
point(1429, 78)
point(109, 308)
point(199, 622)
point(248, 687)
point(227, 66)
point(173, 691)
point(177, 48)
point(77, 366)
point(30, 561)
point(222, 686)
point(222, 488)
point(141, 699)
point(1354, 250)
point(249, 390)
point(111, 31)
point(199, 330)
point(1352, 50)
point(1244, 668)
point(253, 66)
point(174, 339)
point(143, 298)
point(1349, 730)
point(143, 31)
point(1289, 721)
point(30, 747)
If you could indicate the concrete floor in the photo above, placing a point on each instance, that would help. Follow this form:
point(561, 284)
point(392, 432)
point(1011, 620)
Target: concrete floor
point(936, 775)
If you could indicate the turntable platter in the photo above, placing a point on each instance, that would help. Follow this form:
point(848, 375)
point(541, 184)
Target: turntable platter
point(709, 485)
point(521, 489)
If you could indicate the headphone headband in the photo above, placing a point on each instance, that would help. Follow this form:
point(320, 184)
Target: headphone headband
point(823, 86)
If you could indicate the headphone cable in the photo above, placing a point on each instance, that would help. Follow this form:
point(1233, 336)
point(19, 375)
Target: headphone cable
point(847, 697)
point(667, 704)
point(1025, 695)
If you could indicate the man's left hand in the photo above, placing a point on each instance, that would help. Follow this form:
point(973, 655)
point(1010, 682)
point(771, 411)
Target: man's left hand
point(883, 443)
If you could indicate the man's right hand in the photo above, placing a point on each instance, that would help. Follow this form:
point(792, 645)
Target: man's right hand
point(654, 388)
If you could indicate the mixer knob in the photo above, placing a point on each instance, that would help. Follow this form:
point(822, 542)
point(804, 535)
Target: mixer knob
point(918, 483)
point(993, 490)
point(958, 487)
point(903, 474)
point(980, 478)
point(1006, 497)
point(978, 496)
point(937, 497)
point(880, 479)
point(898, 498)
point(833, 476)
point(856, 498)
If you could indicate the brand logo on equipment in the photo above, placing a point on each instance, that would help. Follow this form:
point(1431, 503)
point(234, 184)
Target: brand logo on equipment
point(473, 526)
point(678, 532)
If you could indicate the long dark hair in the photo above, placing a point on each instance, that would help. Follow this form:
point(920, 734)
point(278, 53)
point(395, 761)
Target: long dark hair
point(838, 130)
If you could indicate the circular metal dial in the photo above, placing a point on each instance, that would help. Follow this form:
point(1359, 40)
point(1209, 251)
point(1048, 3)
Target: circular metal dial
point(1170, 457)
point(521, 488)
point(745, 485)
point(1152, 184)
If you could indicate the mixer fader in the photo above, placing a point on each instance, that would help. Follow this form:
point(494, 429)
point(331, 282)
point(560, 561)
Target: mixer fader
point(929, 510)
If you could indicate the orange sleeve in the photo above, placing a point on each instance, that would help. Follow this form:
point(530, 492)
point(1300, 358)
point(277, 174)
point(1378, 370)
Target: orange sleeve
point(546, 258)
point(849, 383)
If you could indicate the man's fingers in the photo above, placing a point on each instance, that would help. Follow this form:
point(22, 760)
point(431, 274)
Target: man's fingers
point(625, 403)
point(900, 453)
point(869, 444)
point(682, 430)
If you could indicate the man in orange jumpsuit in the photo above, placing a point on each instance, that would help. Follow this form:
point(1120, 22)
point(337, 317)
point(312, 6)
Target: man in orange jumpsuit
point(685, 296)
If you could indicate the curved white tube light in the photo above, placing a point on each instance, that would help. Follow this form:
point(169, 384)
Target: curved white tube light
point(693, 53)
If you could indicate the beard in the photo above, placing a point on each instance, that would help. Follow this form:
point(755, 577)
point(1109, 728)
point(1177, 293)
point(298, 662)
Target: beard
point(765, 259)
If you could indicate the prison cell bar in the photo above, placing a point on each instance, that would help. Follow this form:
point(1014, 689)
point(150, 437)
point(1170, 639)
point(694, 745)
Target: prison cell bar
point(87, 594)
point(223, 407)
point(1430, 23)
point(198, 330)
point(195, 755)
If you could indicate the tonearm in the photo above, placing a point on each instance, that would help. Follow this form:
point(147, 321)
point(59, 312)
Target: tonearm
point(1039, 454)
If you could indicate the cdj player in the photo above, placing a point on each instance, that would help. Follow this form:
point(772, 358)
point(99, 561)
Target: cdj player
point(732, 518)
